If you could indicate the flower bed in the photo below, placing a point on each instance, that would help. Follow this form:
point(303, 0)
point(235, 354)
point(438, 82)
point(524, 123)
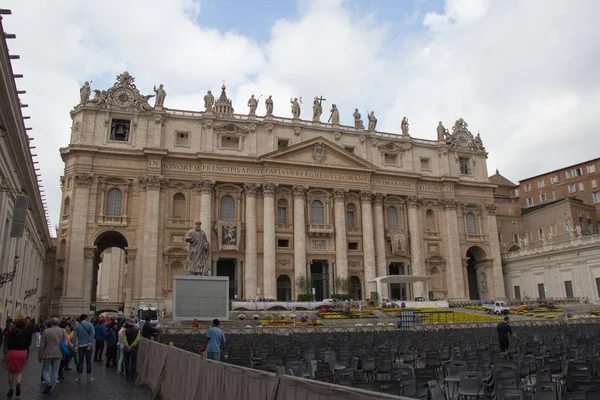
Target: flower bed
point(281, 323)
point(596, 313)
point(329, 313)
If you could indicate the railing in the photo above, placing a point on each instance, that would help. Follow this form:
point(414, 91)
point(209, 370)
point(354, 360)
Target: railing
point(176, 222)
point(112, 220)
point(354, 230)
point(284, 226)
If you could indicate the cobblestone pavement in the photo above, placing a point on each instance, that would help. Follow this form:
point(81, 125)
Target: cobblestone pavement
point(106, 385)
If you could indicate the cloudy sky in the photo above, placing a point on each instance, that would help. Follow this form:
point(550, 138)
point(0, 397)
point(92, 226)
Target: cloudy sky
point(523, 73)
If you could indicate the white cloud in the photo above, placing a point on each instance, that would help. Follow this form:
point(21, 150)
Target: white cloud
point(523, 73)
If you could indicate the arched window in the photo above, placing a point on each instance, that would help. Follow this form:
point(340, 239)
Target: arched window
point(430, 221)
point(392, 218)
point(114, 200)
point(350, 216)
point(471, 224)
point(282, 212)
point(67, 206)
point(317, 216)
point(227, 208)
point(179, 206)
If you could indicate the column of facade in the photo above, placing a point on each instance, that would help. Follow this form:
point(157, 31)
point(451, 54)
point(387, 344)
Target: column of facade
point(368, 246)
point(152, 184)
point(250, 264)
point(206, 193)
point(454, 260)
point(341, 244)
point(75, 271)
point(380, 257)
point(269, 271)
point(299, 193)
point(496, 281)
point(88, 273)
point(416, 256)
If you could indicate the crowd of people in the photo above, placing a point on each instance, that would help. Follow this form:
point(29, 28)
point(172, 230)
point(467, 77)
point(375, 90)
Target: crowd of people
point(60, 341)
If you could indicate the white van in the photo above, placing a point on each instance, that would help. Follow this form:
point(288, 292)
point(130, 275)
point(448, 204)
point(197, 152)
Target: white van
point(497, 307)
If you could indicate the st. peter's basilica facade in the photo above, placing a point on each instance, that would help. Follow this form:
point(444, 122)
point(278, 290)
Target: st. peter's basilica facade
point(283, 201)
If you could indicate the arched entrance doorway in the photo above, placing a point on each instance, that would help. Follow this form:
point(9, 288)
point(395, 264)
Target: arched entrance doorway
point(109, 284)
point(354, 288)
point(476, 278)
point(284, 288)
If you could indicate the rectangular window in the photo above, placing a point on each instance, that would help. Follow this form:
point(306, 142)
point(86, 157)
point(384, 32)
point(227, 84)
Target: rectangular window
point(572, 188)
point(119, 130)
point(591, 169)
point(350, 149)
point(529, 202)
point(543, 197)
point(581, 187)
point(569, 289)
point(282, 143)
point(282, 215)
point(390, 159)
point(594, 184)
point(518, 292)
point(516, 192)
point(540, 233)
point(579, 171)
point(541, 184)
point(352, 245)
point(182, 139)
point(283, 243)
point(528, 188)
point(465, 166)
point(541, 291)
point(596, 197)
point(515, 238)
point(230, 142)
point(567, 227)
point(555, 179)
point(511, 211)
point(349, 219)
point(425, 164)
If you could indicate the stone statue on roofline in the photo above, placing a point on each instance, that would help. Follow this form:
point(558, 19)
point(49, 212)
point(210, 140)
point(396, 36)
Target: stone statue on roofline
point(404, 126)
point(372, 121)
point(198, 262)
point(269, 105)
point(358, 122)
point(209, 101)
point(84, 93)
point(335, 115)
point(295, 107)
point(442, 132)
point(317, 109)
point(160, 96)
point(252, 104)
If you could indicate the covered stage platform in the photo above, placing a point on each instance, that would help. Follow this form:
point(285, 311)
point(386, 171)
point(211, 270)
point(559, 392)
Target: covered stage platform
point(403, 279)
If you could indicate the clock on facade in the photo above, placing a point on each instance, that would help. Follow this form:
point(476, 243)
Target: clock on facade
point(123, 97)
point(462, 139)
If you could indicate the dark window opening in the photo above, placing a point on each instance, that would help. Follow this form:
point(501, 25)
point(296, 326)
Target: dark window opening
point(120, 130)
point(283, 243)
point(353, 246)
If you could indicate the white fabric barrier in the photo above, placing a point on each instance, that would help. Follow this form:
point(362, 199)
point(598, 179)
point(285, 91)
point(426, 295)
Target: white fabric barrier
point(266, 305)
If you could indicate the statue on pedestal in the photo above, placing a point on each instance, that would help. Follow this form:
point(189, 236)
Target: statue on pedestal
point(442, 132)
point(404, 126)
point(295, 107)
point(209, 101)
point(198, 262)
point(372, 121)
point(160, 96)
point(358, 123)
point(335, 115)
point(252, 103)
point(84, 93)
point(317, 109)
point(269, 105)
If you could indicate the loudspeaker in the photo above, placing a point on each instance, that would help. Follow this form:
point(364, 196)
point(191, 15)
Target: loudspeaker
point(19, 215)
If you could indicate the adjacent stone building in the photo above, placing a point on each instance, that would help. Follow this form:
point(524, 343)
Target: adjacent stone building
point(283, 200)
point(25, 248)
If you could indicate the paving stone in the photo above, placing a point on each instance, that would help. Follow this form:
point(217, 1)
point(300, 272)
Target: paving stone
point(106, 385)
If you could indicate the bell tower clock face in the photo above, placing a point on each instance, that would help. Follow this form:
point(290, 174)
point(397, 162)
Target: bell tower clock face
point(462, 139)
point(123, 97)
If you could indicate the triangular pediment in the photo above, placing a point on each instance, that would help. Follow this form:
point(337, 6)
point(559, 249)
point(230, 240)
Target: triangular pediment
point(231, 128)
point(318, 152)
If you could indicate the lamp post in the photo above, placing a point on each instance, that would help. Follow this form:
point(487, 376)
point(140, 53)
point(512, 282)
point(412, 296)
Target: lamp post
point(6, 277)
point(31, 292)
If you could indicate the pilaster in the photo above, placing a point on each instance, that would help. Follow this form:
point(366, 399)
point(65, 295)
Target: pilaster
point(498, 291)
point(299, 193)
point(250, 267)
point(368, 245)
point(341, 244)
point(455, 268)
point(416, 256)
point(269, 270)
point(380, 257)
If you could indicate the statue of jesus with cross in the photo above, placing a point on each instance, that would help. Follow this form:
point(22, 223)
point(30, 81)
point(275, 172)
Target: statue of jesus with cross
point(318, 108)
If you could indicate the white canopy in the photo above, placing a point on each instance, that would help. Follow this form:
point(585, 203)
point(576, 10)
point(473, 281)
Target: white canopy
point(403, 279)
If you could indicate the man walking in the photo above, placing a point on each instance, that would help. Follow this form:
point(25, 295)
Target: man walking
point(131, 339)
point(100, 338)
point(84, 338)
point(50, 353)
point(503, 330)
point(214, 342)
point(111, 345)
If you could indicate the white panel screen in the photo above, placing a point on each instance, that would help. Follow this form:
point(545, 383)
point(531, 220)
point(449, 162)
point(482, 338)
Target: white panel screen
point(201, 297)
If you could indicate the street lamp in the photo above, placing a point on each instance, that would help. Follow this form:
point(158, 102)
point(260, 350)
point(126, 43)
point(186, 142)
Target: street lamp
point(6, 277)
point(31, 292)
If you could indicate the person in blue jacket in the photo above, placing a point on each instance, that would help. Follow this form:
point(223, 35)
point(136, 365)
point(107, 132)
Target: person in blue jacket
point(100, 338)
